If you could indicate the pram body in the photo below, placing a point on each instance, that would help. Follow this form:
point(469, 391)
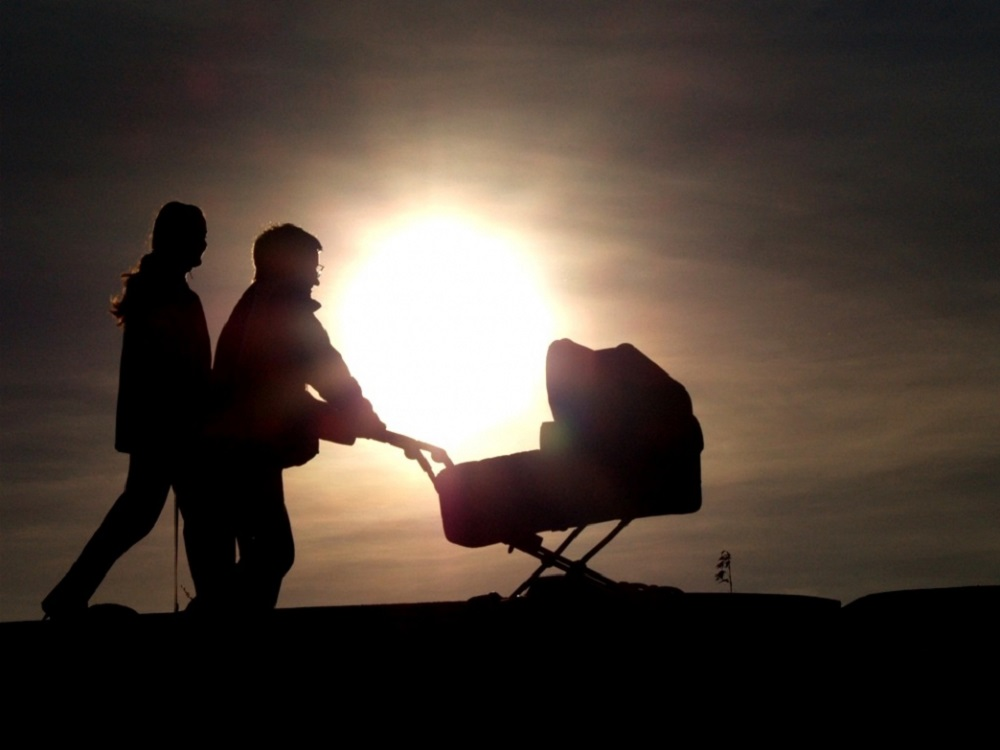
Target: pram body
point(624, 444)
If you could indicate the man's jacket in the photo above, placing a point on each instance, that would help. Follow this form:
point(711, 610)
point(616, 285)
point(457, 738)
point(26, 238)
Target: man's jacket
point(271, 348)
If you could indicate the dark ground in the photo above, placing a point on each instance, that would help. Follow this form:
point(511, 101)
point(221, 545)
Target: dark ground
point(662, 629)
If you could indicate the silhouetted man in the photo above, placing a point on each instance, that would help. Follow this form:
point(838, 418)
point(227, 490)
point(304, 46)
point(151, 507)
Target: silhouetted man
point(271, 348)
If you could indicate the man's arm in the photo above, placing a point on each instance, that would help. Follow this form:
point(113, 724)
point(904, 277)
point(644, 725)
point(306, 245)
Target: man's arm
point(348, 413)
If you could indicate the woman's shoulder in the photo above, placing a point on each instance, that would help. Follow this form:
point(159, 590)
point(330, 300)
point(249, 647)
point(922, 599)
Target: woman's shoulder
point(154, 304)
point(157, 289)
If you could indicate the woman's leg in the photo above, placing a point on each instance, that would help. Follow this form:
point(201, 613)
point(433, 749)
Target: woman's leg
point(130, 519)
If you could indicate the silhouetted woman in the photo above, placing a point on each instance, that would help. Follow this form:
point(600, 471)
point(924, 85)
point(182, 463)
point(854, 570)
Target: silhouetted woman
point(162, 387)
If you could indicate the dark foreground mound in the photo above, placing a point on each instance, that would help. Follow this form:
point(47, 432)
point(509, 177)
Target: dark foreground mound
point(641, 657)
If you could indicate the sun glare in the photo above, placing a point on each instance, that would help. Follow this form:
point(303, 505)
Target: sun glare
point(445, 325)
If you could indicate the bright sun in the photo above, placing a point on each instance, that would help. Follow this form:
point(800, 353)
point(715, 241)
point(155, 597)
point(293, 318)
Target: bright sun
point(445, 325)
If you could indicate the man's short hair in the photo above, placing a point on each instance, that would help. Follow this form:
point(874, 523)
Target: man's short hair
point(282, 249)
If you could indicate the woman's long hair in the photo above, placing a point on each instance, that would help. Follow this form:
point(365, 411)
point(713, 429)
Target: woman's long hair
point(177, 227)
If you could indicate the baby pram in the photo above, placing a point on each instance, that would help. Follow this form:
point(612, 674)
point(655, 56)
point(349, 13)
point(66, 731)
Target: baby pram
point(623, 444)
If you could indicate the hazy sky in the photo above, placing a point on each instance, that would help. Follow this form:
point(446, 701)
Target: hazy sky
point(791, 206)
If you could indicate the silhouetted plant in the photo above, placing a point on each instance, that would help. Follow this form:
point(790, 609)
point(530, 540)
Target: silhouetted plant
point(725, 570)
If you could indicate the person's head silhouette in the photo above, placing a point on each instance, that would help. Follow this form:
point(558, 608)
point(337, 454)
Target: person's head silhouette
point(179, 235)
point(177, 243)
point(288, 256)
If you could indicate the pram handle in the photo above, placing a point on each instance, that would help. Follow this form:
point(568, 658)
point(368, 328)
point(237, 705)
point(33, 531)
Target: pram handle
point(415, 449)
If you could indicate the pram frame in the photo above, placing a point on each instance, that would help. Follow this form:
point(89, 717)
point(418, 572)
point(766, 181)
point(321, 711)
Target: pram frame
point(531, 545)
point(556, 558)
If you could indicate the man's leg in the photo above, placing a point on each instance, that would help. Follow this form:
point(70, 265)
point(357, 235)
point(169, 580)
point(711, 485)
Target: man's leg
point(205, 502)
point(264, 534)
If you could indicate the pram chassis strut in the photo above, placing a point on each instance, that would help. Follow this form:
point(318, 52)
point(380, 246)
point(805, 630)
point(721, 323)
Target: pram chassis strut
point(556, 559)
